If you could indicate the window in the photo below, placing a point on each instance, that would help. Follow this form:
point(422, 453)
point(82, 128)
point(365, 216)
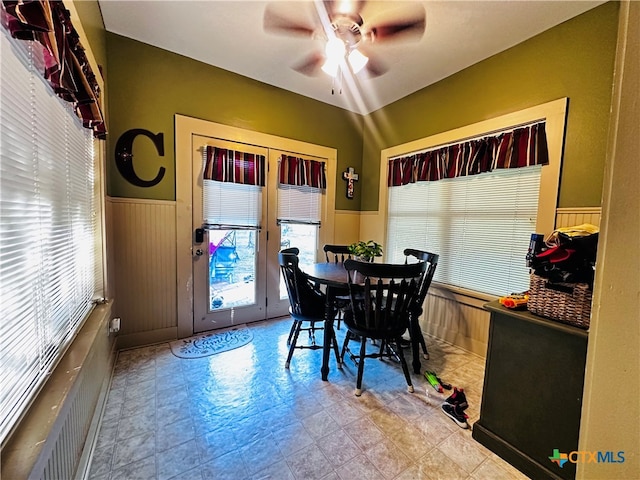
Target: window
point(301, 184)
point(403, 215)
point(50, 260)
point(480, 226)
point(232, 187)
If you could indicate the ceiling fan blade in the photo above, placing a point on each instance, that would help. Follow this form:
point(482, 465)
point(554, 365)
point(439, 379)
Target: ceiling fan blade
point(375, 68)
point(279, 20)
point(310, 65)
point(406, 25)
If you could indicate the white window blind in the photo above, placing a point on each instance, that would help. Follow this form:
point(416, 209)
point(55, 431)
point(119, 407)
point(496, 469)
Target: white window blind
point(49, 233)
point(299, 204)
point(480, 226)
point(227, 204)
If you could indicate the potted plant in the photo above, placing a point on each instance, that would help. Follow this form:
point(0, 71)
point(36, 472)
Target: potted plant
point(365, 251)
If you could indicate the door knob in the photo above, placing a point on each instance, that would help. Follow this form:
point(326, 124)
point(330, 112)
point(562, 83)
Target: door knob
point(199, 252)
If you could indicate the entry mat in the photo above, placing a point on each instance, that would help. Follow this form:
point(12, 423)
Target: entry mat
point(211, 343)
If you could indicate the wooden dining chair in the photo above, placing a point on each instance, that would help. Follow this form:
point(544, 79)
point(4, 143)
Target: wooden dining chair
point(307, 306)
point(381, 296)
point(294, 251)
point(431, 261)
point(338, 254)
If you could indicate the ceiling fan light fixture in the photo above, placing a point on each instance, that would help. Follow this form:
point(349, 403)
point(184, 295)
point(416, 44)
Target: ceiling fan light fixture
point(357, 60)
point(335, 49)
point(344, 6)
point(331, 67)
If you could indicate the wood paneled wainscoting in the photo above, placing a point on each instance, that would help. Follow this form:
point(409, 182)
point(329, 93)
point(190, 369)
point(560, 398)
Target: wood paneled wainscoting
point(142, 262)
point(569, 217)
point(142, 259)
point(456, 319)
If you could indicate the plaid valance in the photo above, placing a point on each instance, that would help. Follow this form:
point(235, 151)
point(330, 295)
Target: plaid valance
point(299, 171)
point(224, 165)
point(521, 147)
point(66, 66)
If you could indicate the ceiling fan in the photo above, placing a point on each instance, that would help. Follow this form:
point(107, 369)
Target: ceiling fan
point(348, 39)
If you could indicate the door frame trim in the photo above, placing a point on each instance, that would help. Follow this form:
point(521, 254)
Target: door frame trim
point(185, 127)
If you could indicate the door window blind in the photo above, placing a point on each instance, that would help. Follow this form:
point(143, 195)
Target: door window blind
point(49, 233)
point(230, 205)
point(479, 225)
point(300, 186)
point(299, 204)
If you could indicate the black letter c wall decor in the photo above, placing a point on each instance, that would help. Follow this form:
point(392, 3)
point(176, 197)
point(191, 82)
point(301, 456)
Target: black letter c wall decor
point(124, 156)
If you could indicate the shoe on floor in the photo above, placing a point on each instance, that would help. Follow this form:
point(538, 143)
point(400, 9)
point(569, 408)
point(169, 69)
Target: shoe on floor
point(455, 414)
point(458, 398)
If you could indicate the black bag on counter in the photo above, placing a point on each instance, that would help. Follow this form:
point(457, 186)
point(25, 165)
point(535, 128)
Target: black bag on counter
point(570, 256)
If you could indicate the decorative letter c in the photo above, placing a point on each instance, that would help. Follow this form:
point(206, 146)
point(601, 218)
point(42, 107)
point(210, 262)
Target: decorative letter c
point(124, 156)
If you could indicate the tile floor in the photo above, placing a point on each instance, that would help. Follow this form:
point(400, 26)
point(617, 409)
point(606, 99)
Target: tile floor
point(241, 415)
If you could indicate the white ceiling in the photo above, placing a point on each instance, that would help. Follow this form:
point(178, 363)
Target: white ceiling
point(230, 35)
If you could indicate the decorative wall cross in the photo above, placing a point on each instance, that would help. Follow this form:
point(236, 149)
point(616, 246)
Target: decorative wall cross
point(350, 176)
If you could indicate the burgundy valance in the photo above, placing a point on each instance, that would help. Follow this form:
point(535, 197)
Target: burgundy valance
point(521, 147)
point(299, 171)
point(224, 165)
point(66, 66)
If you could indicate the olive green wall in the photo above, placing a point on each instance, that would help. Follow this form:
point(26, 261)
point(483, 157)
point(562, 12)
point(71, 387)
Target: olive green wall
point(574, 59)
point(91, 19)
point(148, 85)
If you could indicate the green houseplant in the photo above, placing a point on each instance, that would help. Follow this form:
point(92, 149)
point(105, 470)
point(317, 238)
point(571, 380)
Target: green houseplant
point(365, 250)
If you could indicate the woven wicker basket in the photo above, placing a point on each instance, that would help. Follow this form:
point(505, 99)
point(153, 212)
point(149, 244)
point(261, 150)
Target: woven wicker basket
point(565, 302)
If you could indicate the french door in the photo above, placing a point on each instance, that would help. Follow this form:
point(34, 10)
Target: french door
point(236, 277)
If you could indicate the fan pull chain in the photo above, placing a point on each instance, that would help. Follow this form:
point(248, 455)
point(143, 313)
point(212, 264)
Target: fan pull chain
point(336, 83)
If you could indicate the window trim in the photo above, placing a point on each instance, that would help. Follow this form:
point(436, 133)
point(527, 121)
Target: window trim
point(553, 112)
